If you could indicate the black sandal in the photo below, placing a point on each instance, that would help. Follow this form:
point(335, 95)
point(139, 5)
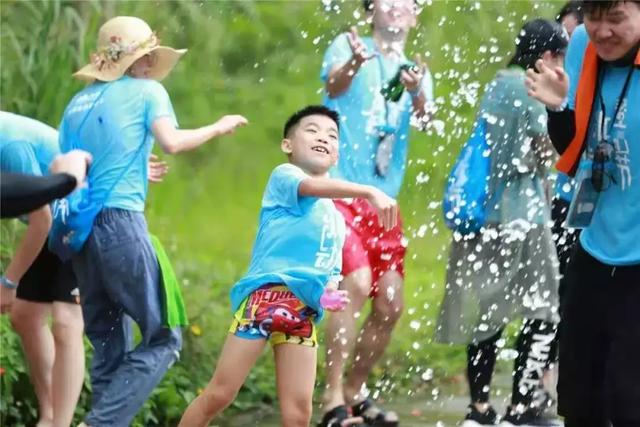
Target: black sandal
point(336, 416)
point(373, 415)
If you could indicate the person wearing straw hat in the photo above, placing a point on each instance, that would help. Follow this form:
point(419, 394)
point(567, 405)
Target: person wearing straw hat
point(116, 119)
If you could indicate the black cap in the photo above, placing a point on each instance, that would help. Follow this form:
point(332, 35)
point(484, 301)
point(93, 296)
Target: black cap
point(539, 36)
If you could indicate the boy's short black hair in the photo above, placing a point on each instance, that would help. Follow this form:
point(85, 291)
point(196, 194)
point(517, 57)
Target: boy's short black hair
point(573, 7)
point(535, 38)
point(310, 110)
point(596, 7)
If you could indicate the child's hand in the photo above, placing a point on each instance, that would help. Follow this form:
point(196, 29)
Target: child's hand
point(412, 78)
point(386, 206)
point(156, 169)
point(7, 296)
point(333, 299)
point(228, 124)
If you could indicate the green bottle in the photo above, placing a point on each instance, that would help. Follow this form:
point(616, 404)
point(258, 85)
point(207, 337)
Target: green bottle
point(393, 89)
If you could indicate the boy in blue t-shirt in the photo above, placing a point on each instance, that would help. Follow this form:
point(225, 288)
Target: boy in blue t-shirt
point(294, 271)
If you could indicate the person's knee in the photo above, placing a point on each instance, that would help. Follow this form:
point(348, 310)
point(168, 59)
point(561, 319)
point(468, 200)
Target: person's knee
point(67, 325)
point(24, 321)
point(296, 412)
point(217, 397)
point(358, 284)
point(389, 304)
point(389, 310)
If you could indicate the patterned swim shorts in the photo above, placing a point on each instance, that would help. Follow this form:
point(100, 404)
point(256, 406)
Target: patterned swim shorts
point(274, 313)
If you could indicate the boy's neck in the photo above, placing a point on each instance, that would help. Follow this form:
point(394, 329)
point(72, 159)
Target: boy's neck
point(310, 173)
point(388, 42)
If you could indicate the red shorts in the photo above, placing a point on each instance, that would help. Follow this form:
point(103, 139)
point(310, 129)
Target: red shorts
point(367, 244)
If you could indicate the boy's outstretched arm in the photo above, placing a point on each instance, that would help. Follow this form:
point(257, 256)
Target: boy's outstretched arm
point(330, 188)
point(173, 140)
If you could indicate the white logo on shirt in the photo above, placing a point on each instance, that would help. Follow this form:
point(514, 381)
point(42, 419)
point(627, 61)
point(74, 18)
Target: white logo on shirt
point(327, 253)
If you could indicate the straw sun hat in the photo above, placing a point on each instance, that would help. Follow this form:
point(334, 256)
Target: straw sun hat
point(121, 41)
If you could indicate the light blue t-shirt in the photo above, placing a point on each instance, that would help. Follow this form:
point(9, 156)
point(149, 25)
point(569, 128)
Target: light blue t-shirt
point(117, 133)
point(26, 145)
point(614, 232)
point(299, 242)
point(362, 110)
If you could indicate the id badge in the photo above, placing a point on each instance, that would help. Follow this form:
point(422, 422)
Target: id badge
point(584, 204)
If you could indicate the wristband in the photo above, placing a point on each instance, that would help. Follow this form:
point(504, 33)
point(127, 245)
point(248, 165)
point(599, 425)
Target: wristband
point(7, 283)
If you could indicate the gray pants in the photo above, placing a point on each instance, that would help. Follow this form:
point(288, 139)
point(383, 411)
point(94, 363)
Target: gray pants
point(119, 279)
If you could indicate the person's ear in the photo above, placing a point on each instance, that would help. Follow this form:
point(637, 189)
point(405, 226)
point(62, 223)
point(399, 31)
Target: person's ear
point(286, 146)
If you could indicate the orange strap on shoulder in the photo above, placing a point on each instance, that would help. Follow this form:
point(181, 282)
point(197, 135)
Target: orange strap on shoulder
point(584, 101)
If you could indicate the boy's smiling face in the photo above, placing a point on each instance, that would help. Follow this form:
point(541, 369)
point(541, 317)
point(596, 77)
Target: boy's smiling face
point(313, 144)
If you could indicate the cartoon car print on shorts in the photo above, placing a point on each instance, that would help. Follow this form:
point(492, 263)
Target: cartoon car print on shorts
point(281, 317)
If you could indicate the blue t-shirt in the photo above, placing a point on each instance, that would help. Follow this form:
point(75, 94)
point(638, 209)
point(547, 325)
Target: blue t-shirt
point(299, 242)
point(362, 110)
point(26, 145)
point(117, 133)
point(614, 232)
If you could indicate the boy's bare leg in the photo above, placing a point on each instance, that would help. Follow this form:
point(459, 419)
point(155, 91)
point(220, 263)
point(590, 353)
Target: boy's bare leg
point(295, 377)
point(29, 320)
point(341, 333)
point(376, 333)
point(68, 367)
point(236, 360)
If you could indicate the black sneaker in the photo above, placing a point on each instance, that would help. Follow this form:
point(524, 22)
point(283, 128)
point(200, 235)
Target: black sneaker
point(476, 418)
point(529, 418)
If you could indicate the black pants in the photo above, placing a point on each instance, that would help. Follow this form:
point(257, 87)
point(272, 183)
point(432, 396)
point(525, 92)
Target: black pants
point(535, 346)
point(600, 344)
point(565, 240)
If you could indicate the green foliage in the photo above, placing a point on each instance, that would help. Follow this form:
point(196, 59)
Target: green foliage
point(262, 60)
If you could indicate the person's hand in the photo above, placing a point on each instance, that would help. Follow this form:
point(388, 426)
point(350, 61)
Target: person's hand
point(386, 206)
point(549, 85)
point(6, 299)
point(412, 79)
point(157, 169)
point(74, 163)
point(359, 51)
point(333, 299)
point(228, 124)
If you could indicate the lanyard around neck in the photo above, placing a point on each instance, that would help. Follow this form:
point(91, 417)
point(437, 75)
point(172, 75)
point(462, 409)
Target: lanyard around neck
point(619, 101)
